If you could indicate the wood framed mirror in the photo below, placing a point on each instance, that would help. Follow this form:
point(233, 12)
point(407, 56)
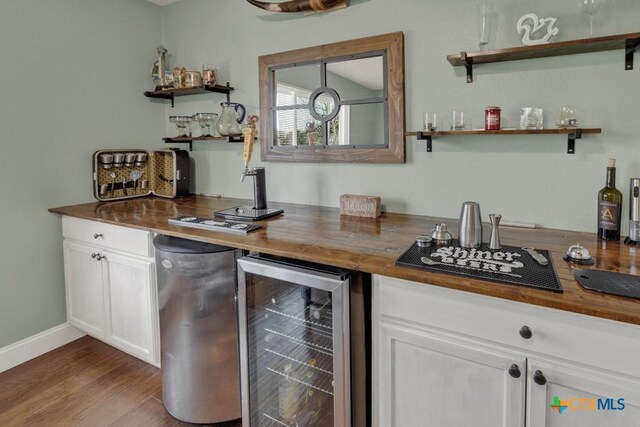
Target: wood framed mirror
point(340, 102)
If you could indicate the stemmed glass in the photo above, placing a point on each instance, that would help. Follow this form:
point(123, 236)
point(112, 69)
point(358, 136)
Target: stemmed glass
point(591, 7)
point(181, 122)
point(206, 120)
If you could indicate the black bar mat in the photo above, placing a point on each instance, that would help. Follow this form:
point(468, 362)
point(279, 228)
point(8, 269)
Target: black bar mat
point(608, 282)
point(508, 265)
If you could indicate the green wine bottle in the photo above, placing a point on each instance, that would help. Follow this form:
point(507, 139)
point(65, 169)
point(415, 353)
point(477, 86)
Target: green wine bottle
point(609, 206)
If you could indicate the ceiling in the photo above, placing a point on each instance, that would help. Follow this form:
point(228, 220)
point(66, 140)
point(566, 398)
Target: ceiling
point(367, 72)
point(162, 2)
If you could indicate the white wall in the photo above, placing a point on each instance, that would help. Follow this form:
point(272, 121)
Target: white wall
point(527, 178)
point(73, 73)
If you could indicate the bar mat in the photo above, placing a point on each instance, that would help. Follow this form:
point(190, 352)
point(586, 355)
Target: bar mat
point(508, 265)
point(624, 285)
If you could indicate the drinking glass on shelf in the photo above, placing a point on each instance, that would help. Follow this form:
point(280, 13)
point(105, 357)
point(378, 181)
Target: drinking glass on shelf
point(458, 120)
point(430, 123)
point(182, 123)
point(591, 7)
point(209, 74)
point(487, 24)
point(205, 120)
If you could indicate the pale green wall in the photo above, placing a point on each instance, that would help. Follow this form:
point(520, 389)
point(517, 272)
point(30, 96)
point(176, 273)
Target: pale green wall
point(524, 178)
point(73, 73)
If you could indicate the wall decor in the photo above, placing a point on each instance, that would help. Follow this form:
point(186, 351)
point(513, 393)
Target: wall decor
point(301, 5)
point(532, 26)
point(341, 102)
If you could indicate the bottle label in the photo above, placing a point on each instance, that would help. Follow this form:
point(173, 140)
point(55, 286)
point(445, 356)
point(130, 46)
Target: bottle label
point(608, 213)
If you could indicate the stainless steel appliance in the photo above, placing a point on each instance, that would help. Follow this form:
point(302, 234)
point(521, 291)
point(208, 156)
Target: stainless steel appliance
point(198, 330)
point(634, 211)
point(304, 344)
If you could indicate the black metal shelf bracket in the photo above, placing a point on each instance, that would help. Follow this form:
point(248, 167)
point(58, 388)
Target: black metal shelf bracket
point(468, 64)
point(422, 136)
point(631, 46)
point(571, 144)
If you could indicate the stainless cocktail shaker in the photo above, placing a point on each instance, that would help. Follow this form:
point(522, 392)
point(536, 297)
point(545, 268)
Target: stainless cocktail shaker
point(634, 211)
point(470, 226)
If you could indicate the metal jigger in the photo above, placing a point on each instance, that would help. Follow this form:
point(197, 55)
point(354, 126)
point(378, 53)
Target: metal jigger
point(494, 241)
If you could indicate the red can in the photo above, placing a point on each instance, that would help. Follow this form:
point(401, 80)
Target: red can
point(492, 118)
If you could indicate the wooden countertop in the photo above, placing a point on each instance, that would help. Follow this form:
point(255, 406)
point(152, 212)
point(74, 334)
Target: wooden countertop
point(320, 234)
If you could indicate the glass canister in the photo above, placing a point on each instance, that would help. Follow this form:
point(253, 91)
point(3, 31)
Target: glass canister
point(492, 118)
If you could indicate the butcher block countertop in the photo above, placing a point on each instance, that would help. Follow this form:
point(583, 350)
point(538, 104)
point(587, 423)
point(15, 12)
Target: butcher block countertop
point(322, 235)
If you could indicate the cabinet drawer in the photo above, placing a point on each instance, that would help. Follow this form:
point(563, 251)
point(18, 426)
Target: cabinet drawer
point(574, 337)
point(109, 236)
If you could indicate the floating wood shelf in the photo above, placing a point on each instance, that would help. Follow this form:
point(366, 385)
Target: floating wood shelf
point(572, 133)
point(629, 42)
point(172, 93)
point(189, 139)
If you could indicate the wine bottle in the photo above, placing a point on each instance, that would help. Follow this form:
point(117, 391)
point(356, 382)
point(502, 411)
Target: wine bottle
point(609, 206)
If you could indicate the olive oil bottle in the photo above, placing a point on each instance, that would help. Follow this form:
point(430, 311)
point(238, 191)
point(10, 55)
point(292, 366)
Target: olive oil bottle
point(609, 206)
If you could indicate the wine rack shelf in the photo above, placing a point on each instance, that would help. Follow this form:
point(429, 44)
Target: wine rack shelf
point(629, 42)
point(572, 133)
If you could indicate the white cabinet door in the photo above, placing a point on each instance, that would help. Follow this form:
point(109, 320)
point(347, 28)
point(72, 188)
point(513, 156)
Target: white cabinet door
point(577, 392)
point(432, 379)
point(131, 305)
point(84, 290)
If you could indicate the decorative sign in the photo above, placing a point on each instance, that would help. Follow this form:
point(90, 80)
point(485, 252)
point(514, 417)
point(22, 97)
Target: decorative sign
point(362, 206)
point(532, 26)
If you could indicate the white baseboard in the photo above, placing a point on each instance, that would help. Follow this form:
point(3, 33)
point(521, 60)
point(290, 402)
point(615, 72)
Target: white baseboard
point(36, 345)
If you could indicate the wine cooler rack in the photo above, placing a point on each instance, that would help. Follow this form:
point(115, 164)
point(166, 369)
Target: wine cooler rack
point(293, 330)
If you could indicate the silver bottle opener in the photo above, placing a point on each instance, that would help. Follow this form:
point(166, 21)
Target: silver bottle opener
point(536, 256)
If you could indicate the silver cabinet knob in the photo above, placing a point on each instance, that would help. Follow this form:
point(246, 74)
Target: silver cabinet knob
point(96, 235)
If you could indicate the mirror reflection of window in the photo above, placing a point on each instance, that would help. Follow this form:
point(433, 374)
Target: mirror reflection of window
point(306, 78)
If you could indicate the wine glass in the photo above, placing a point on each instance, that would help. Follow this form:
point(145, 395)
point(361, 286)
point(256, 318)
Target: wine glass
point(181, 122)
point(205, 120)
point(591, 7)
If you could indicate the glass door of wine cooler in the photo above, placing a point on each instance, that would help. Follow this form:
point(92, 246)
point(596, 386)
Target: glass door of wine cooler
point(294, 333)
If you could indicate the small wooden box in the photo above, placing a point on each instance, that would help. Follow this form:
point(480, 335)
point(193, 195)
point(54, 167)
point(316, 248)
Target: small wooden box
point(362, 206)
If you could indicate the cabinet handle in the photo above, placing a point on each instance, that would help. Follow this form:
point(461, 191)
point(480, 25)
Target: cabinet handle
point(101, 257)
point(525, 332)
point(538, 378)
point(96, 235)
point(514, 371)
point(94, 256)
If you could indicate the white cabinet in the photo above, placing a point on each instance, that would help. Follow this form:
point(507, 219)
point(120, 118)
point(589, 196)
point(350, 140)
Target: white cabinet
point(111, 287)
point(446, 357)
point(443, 381)
point(581, 391)
point(84, 289)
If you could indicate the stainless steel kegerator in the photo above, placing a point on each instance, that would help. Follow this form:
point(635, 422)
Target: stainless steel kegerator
point(198, 330)
point(304, 344)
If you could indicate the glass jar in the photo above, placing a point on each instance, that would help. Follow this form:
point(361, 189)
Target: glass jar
point(492, 118)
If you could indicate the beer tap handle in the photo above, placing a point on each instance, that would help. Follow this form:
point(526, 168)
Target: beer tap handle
point(249, 134)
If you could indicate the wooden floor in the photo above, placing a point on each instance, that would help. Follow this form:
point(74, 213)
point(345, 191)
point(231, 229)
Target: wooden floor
point(85, 383)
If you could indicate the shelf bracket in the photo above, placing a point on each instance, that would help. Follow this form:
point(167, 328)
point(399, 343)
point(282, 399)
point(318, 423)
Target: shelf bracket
point(631, 46)
point(571, 144)
point(172, 98)
point(468, 64)
point(427, 138)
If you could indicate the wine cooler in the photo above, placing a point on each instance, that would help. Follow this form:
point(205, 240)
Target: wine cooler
point(304, 344)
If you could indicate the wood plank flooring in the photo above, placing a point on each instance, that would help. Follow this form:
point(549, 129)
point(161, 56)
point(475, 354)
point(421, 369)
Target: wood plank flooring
point(85, 383)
